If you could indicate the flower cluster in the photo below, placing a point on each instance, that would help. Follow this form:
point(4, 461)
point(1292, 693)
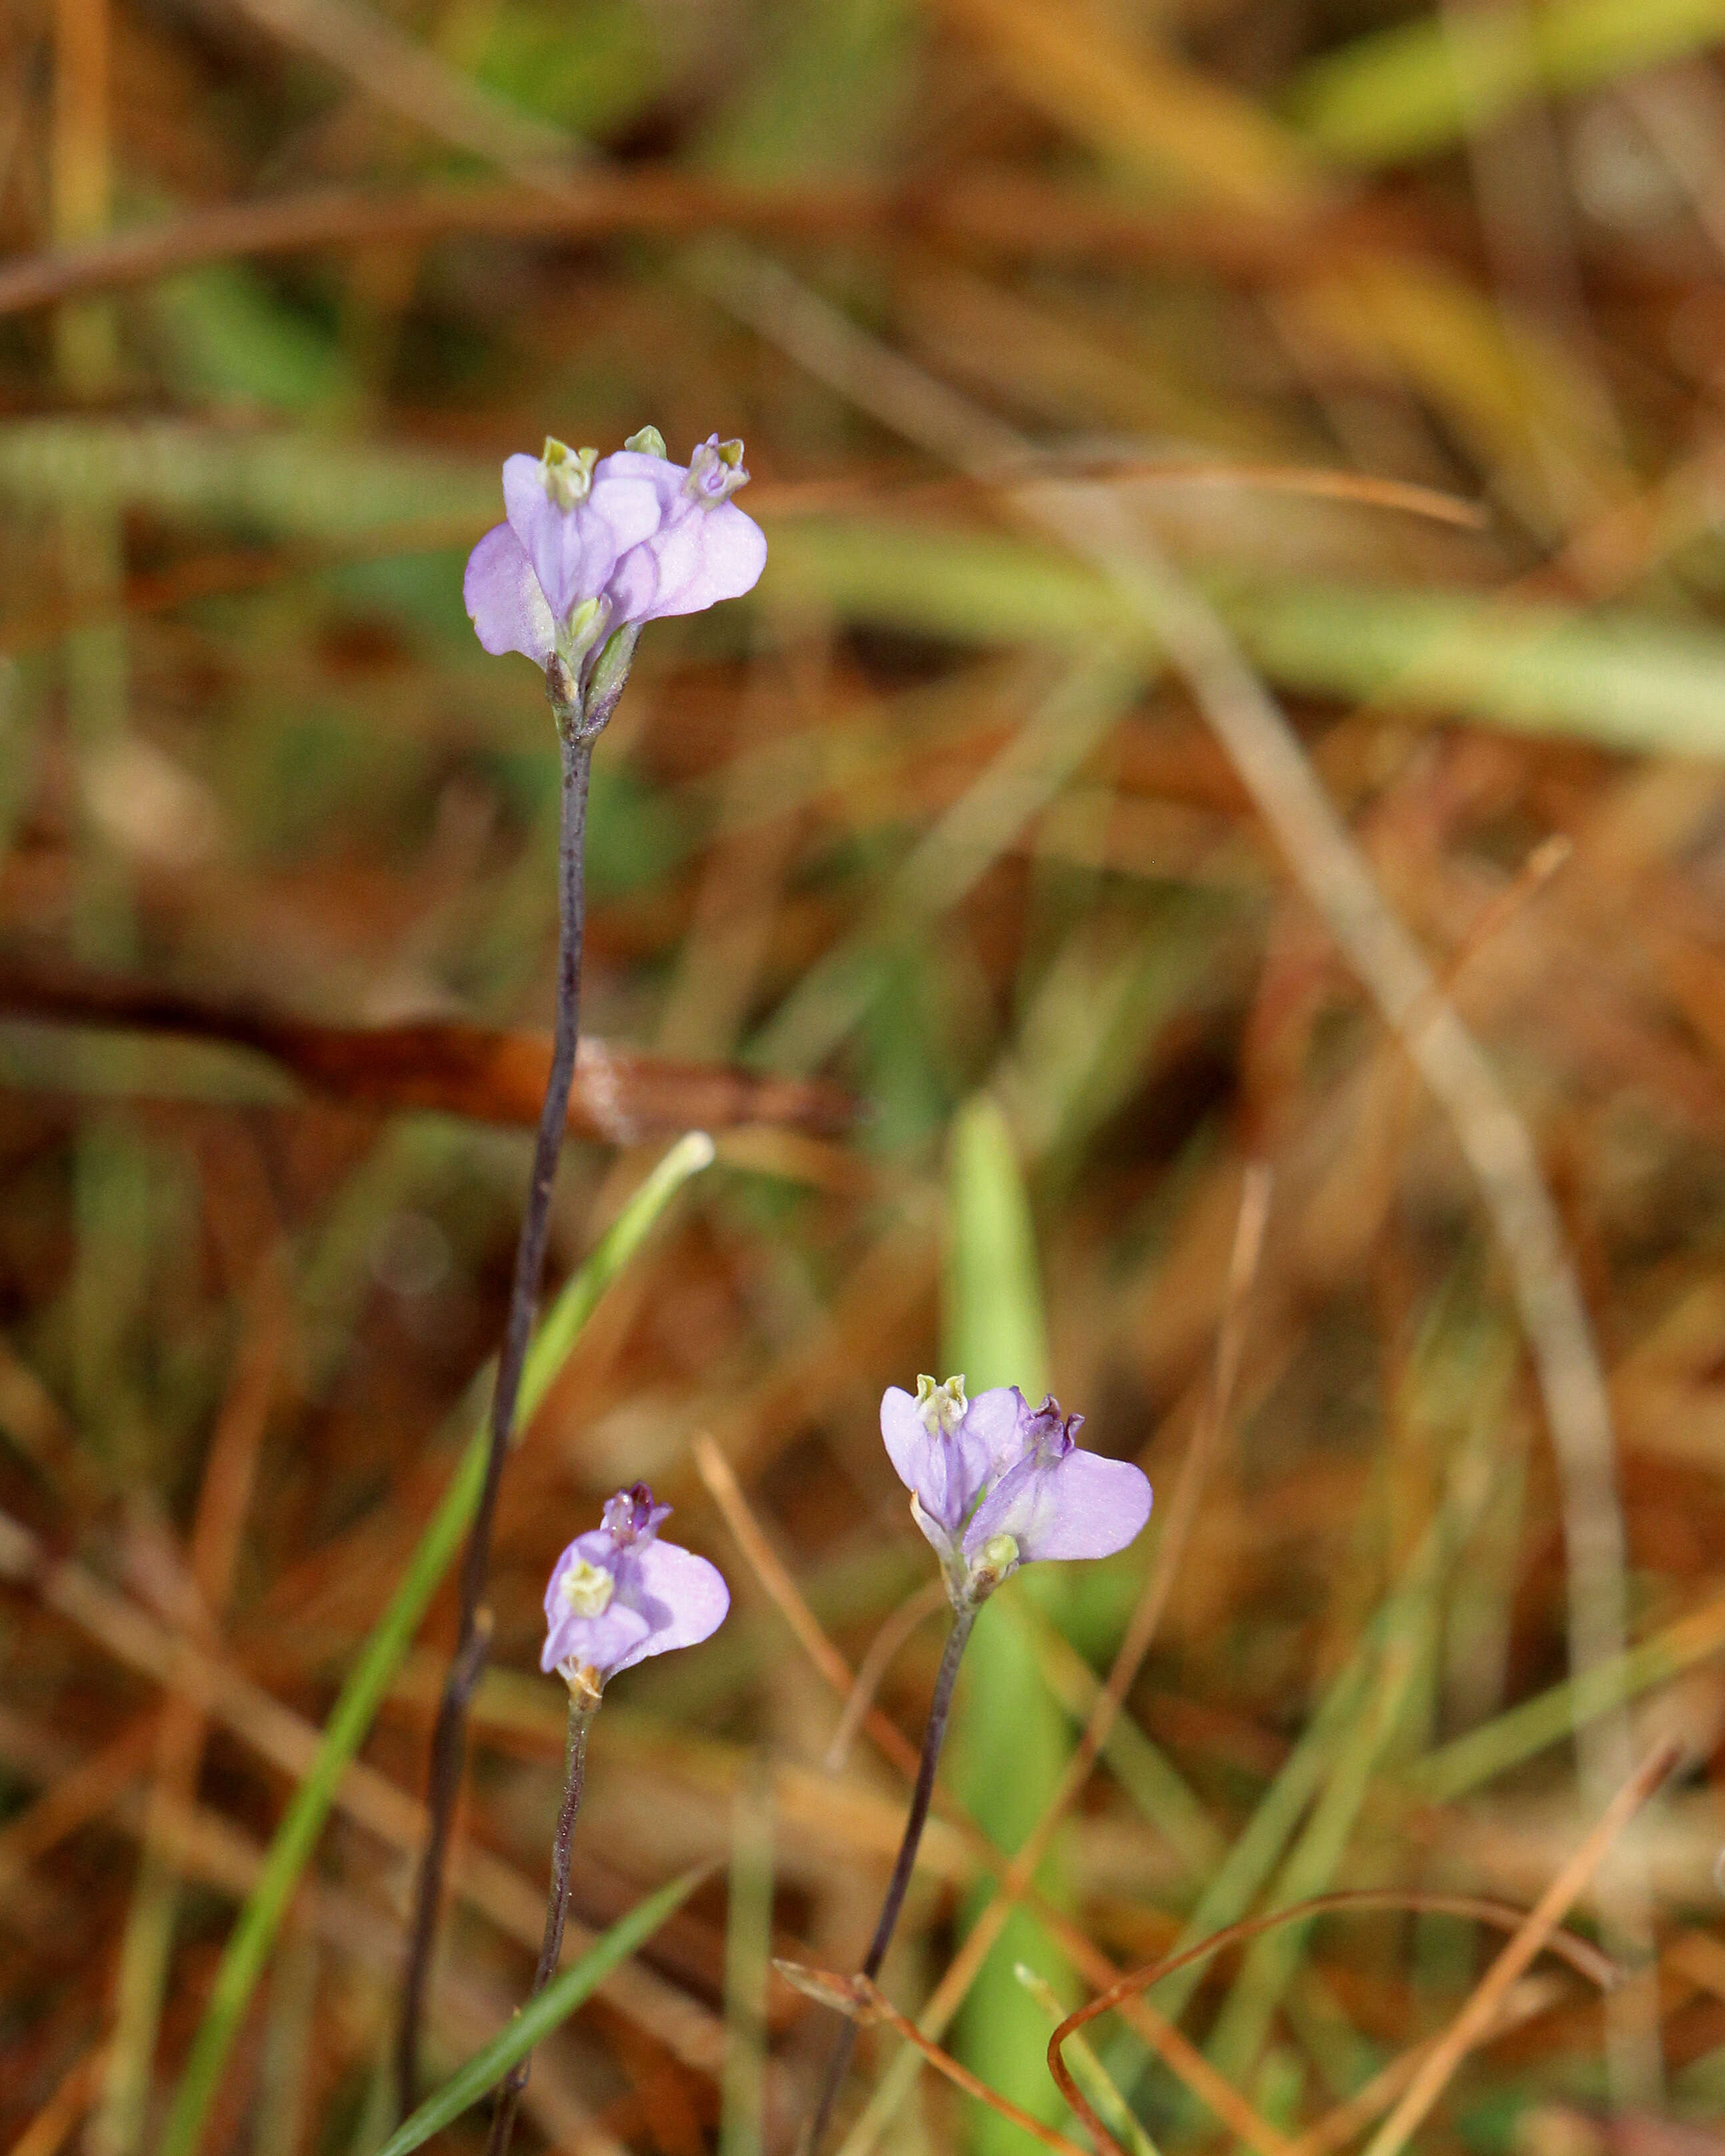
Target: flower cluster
point(995, 1483)
point(593, 544)
point(618, 1594)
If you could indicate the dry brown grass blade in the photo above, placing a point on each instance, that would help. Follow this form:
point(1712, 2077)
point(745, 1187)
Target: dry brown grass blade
point(59, 2116)
point(488, 1075)
point(1486, 2000)
point(83, 1793)
point(1532, 1997)
point(725, 1491)
point(1586, 1959)
point(1004, 213)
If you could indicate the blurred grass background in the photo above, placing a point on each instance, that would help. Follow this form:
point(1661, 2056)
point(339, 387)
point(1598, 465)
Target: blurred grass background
point(1402, 334)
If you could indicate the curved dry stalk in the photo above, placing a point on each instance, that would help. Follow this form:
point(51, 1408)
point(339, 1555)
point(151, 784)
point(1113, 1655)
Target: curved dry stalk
point(1536, 1932)
point(865, 2005)
point(1597, 1967)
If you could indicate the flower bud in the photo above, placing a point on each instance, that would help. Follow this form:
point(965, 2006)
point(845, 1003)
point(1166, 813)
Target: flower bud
point(996, 1561)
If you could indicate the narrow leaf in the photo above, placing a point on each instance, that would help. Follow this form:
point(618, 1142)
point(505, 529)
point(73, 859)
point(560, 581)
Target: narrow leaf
point(558, 2000)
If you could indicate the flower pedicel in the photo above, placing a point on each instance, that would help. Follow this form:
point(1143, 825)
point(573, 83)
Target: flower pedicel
point(994, 1483)
point(591, 549)
point(617, 1595)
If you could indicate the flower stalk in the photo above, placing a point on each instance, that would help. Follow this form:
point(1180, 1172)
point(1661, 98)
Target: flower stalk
point(590, 550)
point(575, 735)
point(934, 1736)
point(585, 1695)
point(995, 1484)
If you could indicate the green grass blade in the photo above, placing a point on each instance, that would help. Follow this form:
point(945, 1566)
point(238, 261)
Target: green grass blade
point(253, 1935)
point(1549, 1717)
point(1092, 2075)
point(558, 2000)
point(1406, 91)
point(1012, 1743)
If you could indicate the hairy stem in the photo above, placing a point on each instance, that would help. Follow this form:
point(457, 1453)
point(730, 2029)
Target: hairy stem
point(449, 1736)
point(933, 1736)
point(583, 1702)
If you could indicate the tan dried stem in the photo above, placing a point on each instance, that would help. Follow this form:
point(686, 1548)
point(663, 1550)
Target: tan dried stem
point(1485, 2001)
point(1586, 1959)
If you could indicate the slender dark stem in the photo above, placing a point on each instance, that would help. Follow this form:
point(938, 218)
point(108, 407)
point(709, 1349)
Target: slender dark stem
point(933, 1736)
point(449, 1736)
point(582, 1702)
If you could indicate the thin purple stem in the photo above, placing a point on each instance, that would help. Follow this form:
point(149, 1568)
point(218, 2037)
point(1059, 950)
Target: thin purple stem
point(449, 1735)
point(933, 1736)
point(582, 1703)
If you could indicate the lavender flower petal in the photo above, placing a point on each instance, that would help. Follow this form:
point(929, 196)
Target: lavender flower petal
point(702, 557)
point(943, 1466)
point(504, 600)
point(1079, 1506)
point(605, 1642)
point(618, 1594)
point(573, 549)
point(997, 1426)
point(684, 1598)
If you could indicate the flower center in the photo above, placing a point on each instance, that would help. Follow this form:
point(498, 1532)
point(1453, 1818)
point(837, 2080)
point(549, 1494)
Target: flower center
point(942, 1408)
point(588, 1588)
point(568, 473)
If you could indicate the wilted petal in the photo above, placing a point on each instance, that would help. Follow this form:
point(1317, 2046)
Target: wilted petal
point(1081, 1506)
point(573, 550)
point(683, 1598)
point(503, 598)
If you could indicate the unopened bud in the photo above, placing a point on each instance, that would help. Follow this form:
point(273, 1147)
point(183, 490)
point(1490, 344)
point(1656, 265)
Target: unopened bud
point(996, 1561)
point(560, 685)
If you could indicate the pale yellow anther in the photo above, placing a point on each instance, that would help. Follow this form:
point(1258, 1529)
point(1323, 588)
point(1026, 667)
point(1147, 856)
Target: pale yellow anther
point(941, 1407)
point(568, 473)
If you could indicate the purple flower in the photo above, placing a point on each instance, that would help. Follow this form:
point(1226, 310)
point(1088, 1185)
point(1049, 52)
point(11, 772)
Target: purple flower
point(593, 544)
point(618, 1594)
point(995, 1483)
